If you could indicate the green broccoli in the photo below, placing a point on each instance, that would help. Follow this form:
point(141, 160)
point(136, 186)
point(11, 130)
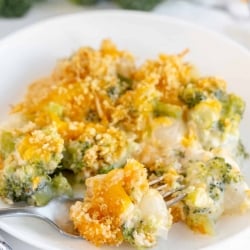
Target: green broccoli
point(1, 4)
point(7, 144)
point(73, 155)
point(241, 151)
point(124, 84)
point(128, 234)
point(14, 8)
point(18, 183)
point(215, 170)
point(105, 169)
point(166, 109)
point(145, 5)
point(84, 2)
point(29, 164)
point(31, 183)
point(56, 186)
point(191, 96)
point(233, 106)
point(203, 203)
point(232, 112)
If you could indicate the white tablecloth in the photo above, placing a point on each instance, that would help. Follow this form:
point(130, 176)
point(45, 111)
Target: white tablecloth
point(219, 20)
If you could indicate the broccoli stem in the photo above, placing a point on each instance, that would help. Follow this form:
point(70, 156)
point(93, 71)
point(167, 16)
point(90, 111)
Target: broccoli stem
point(166, 109)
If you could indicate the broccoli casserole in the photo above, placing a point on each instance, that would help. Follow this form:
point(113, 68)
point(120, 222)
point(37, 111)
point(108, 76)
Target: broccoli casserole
point(103, 121)
point(120, 206)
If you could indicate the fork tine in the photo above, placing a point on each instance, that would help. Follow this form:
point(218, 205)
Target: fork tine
point(162, 187)
point(171, 202)
point(157, 180)
point(169, 193)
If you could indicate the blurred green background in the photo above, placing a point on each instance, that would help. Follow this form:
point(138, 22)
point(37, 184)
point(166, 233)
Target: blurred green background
point(18, 8)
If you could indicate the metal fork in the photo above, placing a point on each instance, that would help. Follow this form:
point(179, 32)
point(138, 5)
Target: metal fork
point(56, 213)
point(173, 196)
point(4, 245)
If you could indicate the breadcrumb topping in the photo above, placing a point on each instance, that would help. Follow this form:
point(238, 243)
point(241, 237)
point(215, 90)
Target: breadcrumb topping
point(99, 218)
point(101, 113)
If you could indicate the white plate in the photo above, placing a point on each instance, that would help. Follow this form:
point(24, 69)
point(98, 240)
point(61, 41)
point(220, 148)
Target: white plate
point(33, 52)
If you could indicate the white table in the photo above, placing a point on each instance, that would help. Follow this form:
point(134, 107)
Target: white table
point(237, 29)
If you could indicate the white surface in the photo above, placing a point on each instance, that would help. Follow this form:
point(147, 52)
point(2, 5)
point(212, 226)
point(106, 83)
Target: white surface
point(37, 52)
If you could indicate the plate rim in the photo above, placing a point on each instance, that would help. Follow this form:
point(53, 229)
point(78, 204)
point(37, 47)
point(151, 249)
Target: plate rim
point(133, 13)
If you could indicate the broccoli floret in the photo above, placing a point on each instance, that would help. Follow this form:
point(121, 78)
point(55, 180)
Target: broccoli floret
point(200, 222)
point(105, 169)
point(84, 2)
point(128, 234)
point(73, 155)
point(241, 150)
point(56, 186)
point(7, 144)
point(28, 162)
point(220, 95)
point(209, 179)
point(92, 116)
point(232, 112)
point(233, 107)
point(206, 115)
point(18, 183)
point(191, 96)
point(124, 84)
point(138, 5)
point(166, 109)
point(30, 183)
point(14, 8)
point(215, 170)
point(60, 185)
point(97, 149)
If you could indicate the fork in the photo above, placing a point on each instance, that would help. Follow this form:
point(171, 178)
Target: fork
point(175, 194)
point(56, 212)
point(4, 245)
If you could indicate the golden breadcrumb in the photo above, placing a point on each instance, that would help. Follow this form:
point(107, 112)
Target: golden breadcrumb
point(92, 85)
point(100, 115)
point(40, 145)
point(99, 217)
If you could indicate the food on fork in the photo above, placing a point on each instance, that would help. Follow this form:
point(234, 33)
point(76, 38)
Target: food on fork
point(98, 110)
point(120, 206)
